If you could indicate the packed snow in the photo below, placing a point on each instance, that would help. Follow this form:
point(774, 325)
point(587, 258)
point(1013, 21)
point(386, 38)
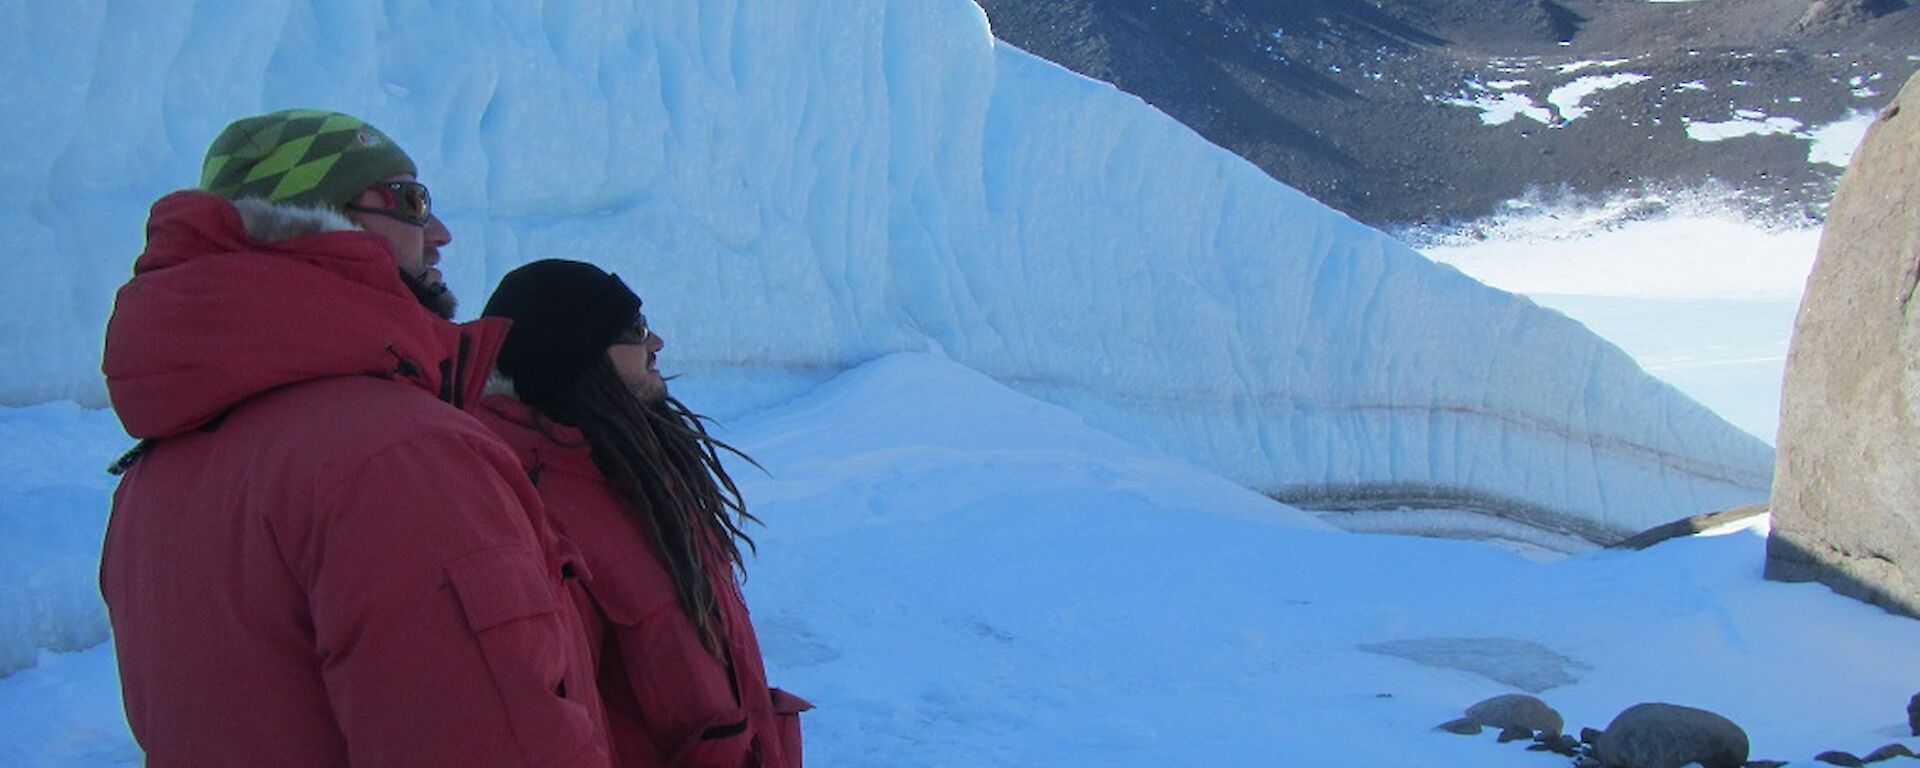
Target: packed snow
point(1834, 142)
point(981, 578)
point(1564, 102)
point(1567, 98)
point(1575, 66)
point(1830, 143)
point(1502, 108)
point(1745, 123)
point(54, 492)
point(1020, 355)
point(1501, 101)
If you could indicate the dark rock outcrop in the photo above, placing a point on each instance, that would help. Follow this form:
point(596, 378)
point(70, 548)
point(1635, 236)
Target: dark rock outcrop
point(1367, 105)
point(1837, 757)
point(1688, 526)
point(1668, 736)
point(1829, 15)
point(1558, 743)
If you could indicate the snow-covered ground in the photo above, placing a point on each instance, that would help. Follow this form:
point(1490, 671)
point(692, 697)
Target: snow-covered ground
point(1500, 101)
point(958, 574)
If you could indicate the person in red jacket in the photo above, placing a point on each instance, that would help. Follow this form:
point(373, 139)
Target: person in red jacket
point(631, 475)
point(316, 556)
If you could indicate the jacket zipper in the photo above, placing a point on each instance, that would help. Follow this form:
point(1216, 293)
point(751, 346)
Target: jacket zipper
point(453, 373)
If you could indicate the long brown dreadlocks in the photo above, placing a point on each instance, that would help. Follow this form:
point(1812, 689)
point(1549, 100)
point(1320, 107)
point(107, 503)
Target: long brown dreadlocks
point(660, 458)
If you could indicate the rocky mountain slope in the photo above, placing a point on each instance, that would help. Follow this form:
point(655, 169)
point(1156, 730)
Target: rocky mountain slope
point(1431, 112)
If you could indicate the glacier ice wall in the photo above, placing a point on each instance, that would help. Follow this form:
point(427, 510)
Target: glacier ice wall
point(798, 187)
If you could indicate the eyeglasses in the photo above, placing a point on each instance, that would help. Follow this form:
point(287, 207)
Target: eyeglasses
point(406, 201)
point(636, 333)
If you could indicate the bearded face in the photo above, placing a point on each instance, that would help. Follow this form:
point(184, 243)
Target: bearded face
point(634, 355)
point(436, 297)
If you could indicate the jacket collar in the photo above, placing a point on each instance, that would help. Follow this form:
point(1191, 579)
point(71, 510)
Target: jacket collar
point(541, 443)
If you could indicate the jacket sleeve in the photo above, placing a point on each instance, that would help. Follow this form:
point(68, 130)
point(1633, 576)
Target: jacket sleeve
point(438, 624)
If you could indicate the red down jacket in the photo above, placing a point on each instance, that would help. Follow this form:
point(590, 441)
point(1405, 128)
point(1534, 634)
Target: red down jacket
point(320, 560)
point(669, 701)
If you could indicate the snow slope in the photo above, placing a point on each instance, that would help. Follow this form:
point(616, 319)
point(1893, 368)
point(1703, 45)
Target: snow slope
point(799, 188)
point(54, 492)
point(978, 578)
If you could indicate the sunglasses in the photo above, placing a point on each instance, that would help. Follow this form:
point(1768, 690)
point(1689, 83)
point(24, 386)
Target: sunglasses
point(636, 333)
point(406, 201)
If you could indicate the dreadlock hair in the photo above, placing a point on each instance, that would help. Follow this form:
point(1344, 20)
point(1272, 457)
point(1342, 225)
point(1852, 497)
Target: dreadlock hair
point(659, 457)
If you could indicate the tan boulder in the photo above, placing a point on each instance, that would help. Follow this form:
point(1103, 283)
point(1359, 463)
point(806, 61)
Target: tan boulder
point(1846, 488)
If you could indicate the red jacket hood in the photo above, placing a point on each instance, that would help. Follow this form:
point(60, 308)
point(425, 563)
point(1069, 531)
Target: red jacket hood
point(213, 317)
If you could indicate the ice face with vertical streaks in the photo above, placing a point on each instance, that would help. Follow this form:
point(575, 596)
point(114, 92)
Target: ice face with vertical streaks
point(799, 188)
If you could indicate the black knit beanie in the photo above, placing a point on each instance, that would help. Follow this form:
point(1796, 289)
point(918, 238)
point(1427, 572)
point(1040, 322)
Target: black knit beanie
point(565, 314)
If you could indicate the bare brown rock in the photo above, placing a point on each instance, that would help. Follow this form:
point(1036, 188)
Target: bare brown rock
point(1846, 493)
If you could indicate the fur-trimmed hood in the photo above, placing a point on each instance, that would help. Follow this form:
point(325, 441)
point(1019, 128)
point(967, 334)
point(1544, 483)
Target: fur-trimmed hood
point(230, 300)
point(274, 222)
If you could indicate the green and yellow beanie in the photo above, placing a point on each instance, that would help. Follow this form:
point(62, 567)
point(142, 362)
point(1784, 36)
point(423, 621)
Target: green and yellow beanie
point(302, 157)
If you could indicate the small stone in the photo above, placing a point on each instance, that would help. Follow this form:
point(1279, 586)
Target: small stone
point(1888, 752)
point(1464, 726)
point(1514, 734)
point(1913, 714)
point(1837, 757)
point(1764, 763)
point(1516, 710)
point(1558, 743)
point(1589, 735)
point(1657, 735)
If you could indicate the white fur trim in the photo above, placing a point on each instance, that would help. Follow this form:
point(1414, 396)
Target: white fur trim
point(499, 384)
point(273, 222)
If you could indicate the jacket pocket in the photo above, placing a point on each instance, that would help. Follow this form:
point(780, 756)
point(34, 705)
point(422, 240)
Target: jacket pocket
point(511, 608)
point(725, 739)
point(633, 590)
point(786, 721)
